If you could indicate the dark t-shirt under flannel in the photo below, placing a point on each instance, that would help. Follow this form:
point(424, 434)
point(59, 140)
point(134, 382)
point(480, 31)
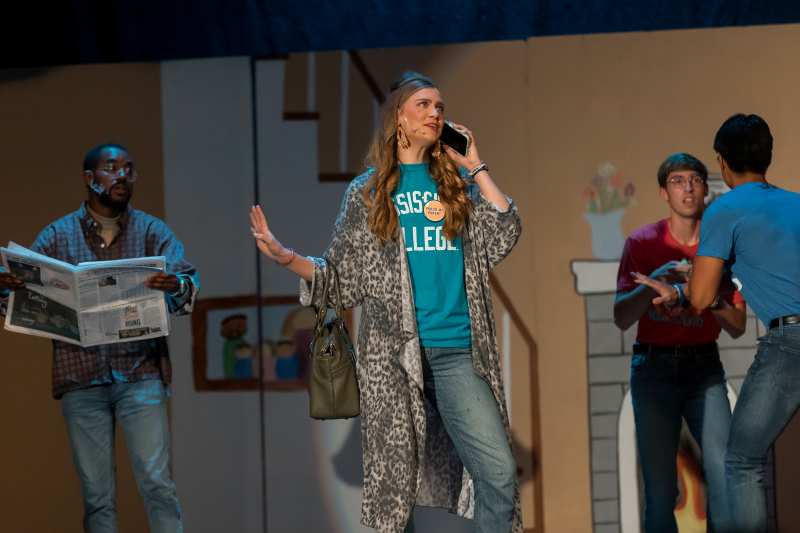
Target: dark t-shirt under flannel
point(76, 238)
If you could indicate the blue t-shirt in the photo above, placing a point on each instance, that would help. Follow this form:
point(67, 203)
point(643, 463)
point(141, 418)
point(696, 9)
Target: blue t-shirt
point(755, 228)
point(436, 264)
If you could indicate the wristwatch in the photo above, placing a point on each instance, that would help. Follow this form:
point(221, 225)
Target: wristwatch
point(182, 286)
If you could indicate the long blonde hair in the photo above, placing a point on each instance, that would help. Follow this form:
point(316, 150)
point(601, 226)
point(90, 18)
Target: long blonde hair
point(382, 158)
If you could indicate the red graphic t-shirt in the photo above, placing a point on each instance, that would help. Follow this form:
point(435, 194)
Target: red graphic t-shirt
point(646, 249)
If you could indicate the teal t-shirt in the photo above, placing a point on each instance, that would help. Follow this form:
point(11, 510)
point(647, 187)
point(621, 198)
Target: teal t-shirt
point(436, 264)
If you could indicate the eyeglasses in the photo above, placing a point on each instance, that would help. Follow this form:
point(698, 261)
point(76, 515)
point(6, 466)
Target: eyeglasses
point(682, 181)
point(117, 172)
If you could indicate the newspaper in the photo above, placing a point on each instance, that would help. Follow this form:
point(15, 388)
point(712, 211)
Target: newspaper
point(99, 302)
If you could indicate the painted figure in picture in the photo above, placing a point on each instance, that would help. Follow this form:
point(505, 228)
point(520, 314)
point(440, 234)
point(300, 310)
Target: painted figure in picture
point(293, 349)
point(414, 242)
point(676, 372)
point(237, 355)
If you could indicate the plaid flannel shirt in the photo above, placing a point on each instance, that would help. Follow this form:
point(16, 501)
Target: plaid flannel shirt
point(76, 238)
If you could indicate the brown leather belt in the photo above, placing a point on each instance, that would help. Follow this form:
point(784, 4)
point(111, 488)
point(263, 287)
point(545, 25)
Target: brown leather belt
point(785, 320)
point(643, 348)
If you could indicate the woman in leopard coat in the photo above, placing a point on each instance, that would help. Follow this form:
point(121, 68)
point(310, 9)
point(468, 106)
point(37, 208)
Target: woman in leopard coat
point(413, 245)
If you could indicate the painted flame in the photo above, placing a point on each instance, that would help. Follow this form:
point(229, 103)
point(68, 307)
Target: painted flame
point(690, 510)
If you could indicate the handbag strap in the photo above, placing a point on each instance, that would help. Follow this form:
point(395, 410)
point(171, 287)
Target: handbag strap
point(322, 310)
point(332, 277)
point(337, 305)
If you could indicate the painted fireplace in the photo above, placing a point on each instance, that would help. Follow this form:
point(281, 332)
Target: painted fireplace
point(616, 486)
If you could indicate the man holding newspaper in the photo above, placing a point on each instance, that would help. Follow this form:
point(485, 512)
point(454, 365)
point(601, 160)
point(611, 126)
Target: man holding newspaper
point(94, 312)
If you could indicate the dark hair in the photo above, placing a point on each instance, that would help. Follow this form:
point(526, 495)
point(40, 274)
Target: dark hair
point(231, 318)
point(93, 156)
point(745, 143)
point(680, 161)
point(420, 81)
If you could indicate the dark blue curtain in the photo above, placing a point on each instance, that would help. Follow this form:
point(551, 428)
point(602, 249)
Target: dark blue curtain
point(92, 31)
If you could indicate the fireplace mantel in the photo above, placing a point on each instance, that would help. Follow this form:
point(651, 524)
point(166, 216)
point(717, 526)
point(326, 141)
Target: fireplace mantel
point(593, 276)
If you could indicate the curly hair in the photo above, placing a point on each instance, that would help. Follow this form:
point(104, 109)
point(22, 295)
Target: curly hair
point(382, 159)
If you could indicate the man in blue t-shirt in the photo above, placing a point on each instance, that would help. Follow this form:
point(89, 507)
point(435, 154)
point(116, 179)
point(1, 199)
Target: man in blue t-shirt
point(754, 231)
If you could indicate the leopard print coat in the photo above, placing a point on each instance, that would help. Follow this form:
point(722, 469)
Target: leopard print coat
point(408, 458)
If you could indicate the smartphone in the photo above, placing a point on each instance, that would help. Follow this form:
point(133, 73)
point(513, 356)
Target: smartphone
point(455, 139)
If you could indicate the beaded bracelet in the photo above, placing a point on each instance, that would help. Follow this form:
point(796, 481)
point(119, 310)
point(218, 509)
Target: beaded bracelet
point(681, 295)
point(474, 171)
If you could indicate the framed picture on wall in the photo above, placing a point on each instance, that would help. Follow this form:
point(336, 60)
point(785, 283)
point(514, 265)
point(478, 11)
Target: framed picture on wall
point(225, 343)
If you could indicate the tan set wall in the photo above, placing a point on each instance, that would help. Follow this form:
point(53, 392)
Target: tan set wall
point(48, 120)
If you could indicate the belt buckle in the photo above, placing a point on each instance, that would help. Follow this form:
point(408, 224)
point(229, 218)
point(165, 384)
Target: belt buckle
point(787, 320)
point(681, 351)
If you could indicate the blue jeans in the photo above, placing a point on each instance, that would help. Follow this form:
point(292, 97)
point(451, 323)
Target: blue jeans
point(769, 398)
point(666, 387)
point(469, 412)
point(141, 410)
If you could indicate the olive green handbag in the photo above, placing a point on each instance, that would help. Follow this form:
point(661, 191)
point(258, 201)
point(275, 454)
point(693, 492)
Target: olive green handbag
point(332, 385)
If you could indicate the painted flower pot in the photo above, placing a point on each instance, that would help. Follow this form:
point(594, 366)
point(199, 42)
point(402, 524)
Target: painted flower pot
point(607, 237)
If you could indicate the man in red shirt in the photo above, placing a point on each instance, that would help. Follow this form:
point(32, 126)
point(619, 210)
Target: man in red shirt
point(676, 371)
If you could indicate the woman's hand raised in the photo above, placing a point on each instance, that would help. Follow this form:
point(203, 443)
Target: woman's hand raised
point(272, 247)
point(266, 241)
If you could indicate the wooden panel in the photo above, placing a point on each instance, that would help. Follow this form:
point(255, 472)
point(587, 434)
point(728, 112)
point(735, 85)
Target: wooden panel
point(294, 84)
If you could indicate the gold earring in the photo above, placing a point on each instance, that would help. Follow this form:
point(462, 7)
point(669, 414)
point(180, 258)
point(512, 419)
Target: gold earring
point(402, 139)
point(437, 151)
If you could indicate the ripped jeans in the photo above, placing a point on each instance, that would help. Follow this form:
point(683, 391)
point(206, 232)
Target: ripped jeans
point(471, 418)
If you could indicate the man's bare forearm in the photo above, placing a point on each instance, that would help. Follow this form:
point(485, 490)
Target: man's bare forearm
point(704, 283)
point(732, 318)
point(630, 306)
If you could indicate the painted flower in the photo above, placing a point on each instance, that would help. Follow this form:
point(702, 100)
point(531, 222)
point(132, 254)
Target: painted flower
point(599, 181)
point(608, 191)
